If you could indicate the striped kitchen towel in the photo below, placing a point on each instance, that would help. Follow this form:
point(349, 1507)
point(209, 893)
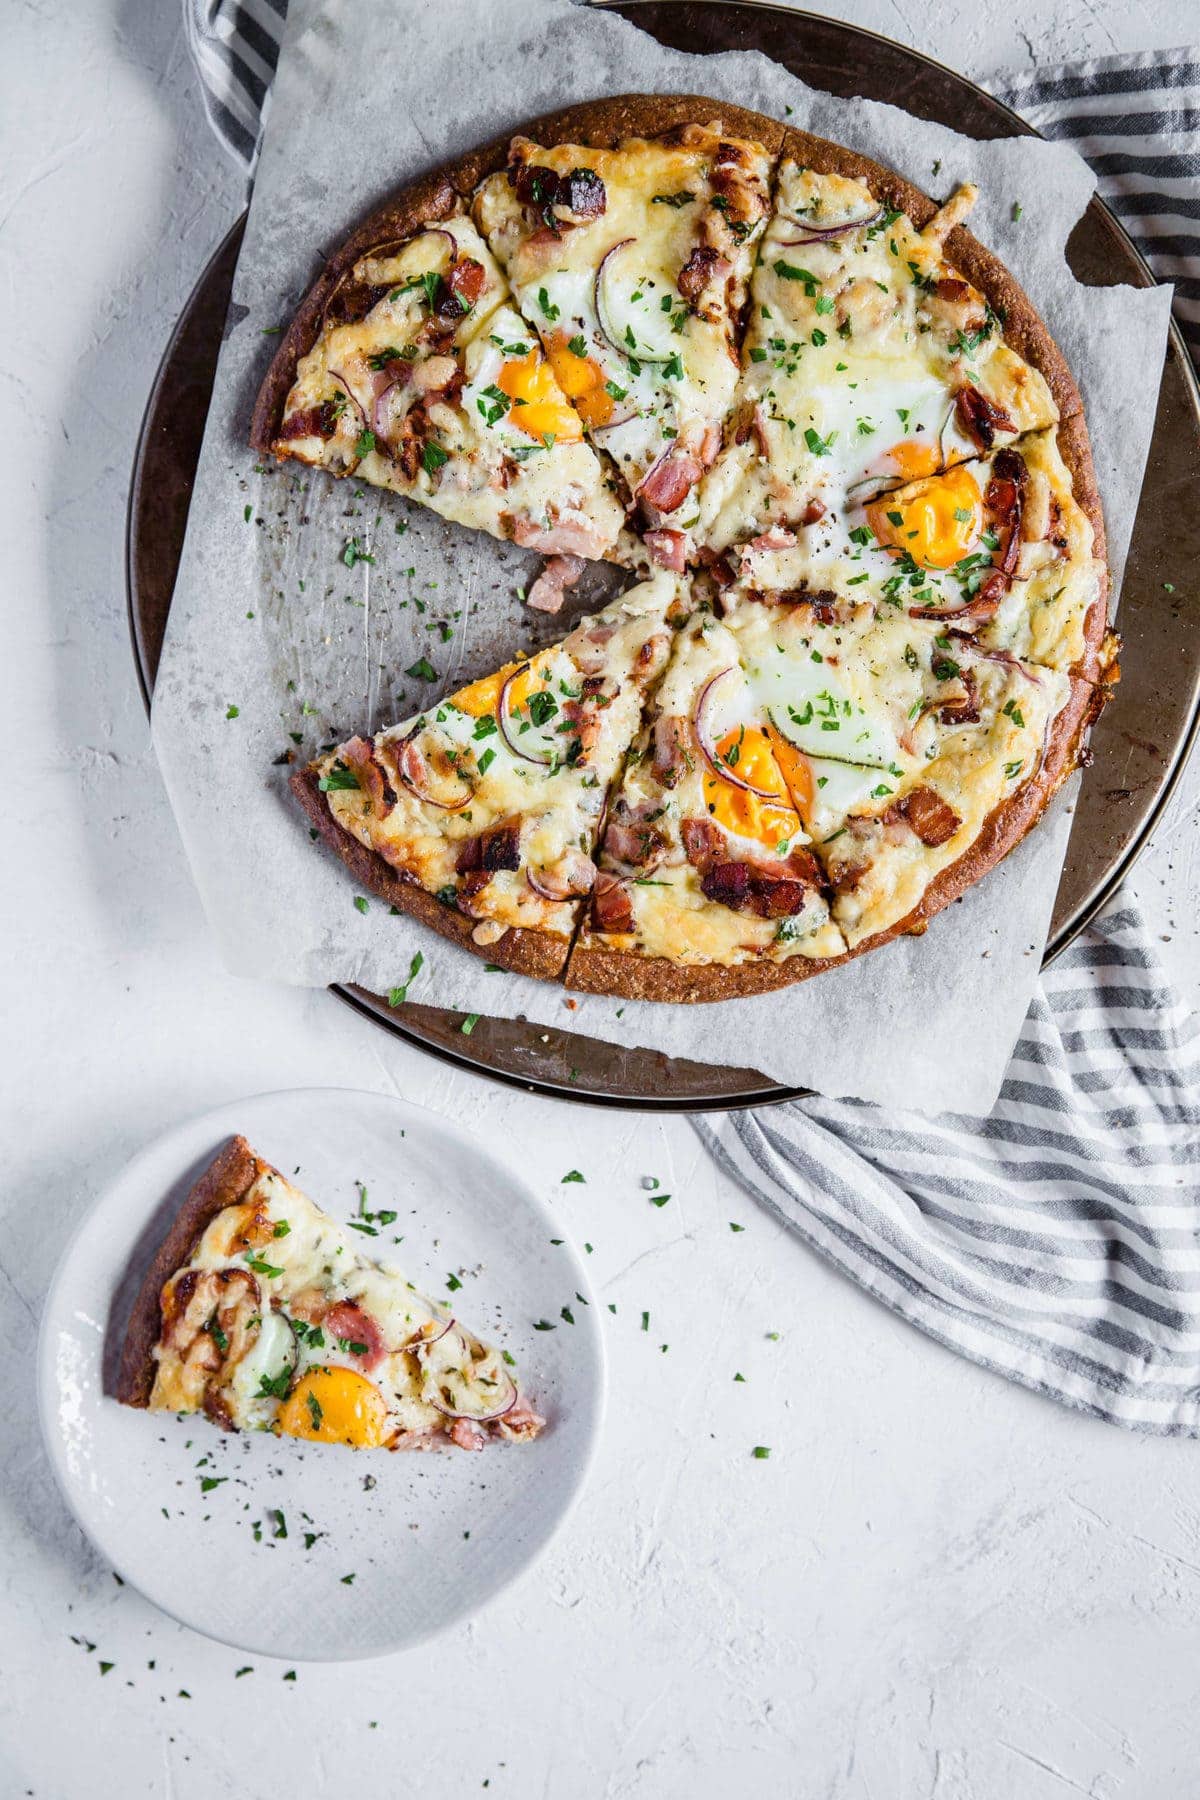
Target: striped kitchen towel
point(1136, 121)
point(1056, 1241)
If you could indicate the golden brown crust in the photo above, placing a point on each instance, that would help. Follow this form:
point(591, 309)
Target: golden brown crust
point(603, 124)
point(523, 952)
point(227, 1180)
point(600, 969)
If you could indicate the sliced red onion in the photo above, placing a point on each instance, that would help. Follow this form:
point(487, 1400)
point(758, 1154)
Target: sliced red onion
point(410, 767)
point(821, 234)
point(502, 720)
point(708, 750)
point(425, 1342)
point(336, 375)
point(1004, 657)
point(476, 1418)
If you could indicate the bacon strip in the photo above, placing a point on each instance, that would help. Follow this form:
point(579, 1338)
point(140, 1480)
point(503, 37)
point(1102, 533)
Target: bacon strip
point(352, 1325)
point(547, 592)
point(313, 421)
point(667, 548)
point(928, 815)
point(979, 418)
point(359, 755)
point(704, 266)
point(612, 904)
point(671, 480)
point(499, 847)
point(580, 195)
point(459, 288)
point(672, 747)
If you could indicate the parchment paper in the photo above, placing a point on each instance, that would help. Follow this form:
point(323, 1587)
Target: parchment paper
point(274, 617)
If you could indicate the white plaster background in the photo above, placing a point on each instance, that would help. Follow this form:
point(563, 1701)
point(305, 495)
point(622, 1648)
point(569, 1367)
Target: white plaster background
point(938, 1585)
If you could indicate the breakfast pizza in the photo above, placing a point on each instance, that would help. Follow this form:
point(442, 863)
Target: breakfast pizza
point(265, 1314)
point(668, 336)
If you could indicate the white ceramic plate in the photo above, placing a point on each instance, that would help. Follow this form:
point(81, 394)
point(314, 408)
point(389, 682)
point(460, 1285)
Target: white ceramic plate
point(429, 1537)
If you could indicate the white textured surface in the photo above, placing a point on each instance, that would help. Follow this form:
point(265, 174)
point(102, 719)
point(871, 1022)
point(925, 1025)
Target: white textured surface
point(937, 1585)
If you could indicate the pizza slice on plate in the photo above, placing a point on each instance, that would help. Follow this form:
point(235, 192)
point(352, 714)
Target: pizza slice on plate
point(868, 359)
point(926, 754)
point(632, 264)
point(707, 884)
point(480, 815)
point(264, 1313)
point(423, 379)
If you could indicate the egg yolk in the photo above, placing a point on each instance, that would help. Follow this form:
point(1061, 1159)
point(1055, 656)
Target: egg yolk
point(538, 405)
point(336, 1406)
point(582, 378)
point(767, 822)
point(484, 696)
point(936, 521)
point(914, 457)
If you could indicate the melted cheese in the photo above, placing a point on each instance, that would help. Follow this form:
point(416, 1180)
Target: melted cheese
point(672, 916)
point(926, 545)
point(851, 364)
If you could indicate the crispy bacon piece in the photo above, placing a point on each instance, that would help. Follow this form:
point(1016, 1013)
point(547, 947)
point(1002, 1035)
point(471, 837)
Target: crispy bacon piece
point(459, 288)
point(667, 548)
point(499, 847)
point(359, 755)
point(703, 841)
point(777, 537)
point(1004, 498)
point(612, 904)
point(563, 537)
point(631, 842)
point(560, 199)
point(823, 603)
point(979, 418)
point(928, 815)
point(671, 480)
point(750, 888)
point(312, 421)
point(960, 706)
point(672, 747)
point(547, 592)
point(704, 266)
point(586, 713)
point(349, 1323)
point(717, 566)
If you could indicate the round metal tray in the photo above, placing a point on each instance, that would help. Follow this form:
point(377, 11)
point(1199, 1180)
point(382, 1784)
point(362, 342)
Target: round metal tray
point(1139, 746)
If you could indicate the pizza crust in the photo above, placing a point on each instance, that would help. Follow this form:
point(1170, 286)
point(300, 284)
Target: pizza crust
point(522, 952)
point(226, 1181)
point(604, 123)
